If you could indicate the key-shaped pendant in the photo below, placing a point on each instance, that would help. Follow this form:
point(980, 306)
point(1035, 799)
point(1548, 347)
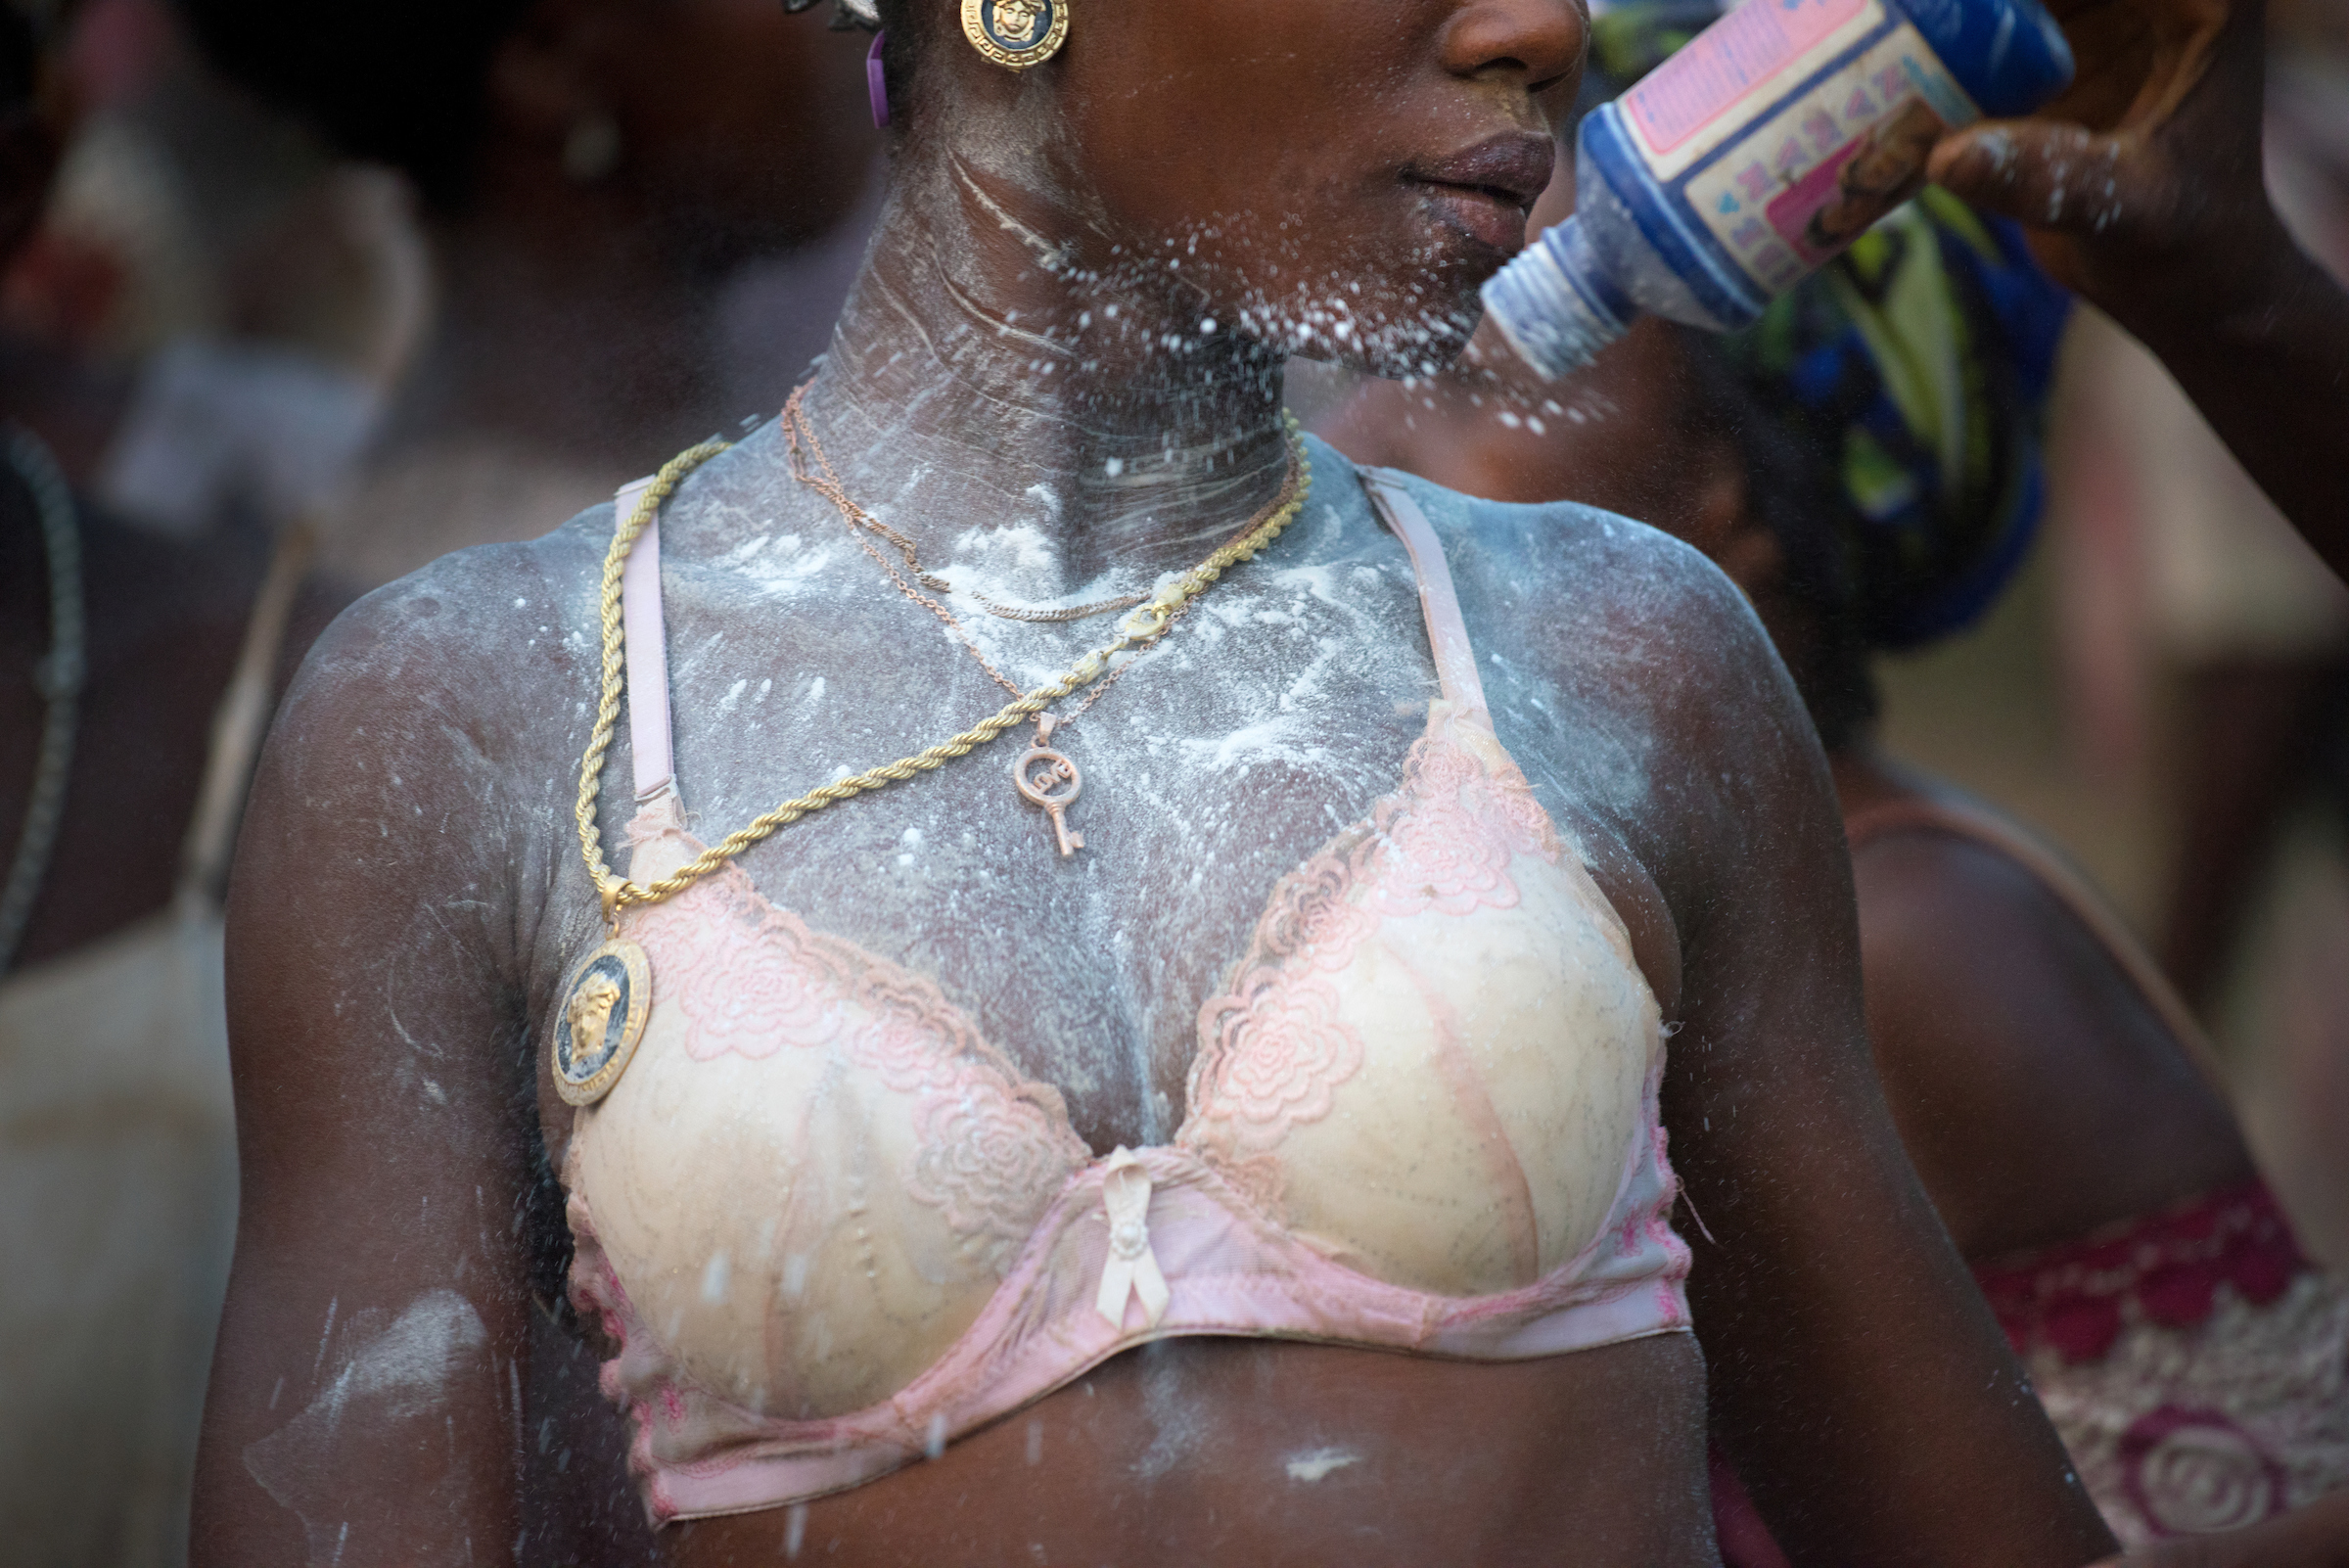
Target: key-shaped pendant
point(1050, 780)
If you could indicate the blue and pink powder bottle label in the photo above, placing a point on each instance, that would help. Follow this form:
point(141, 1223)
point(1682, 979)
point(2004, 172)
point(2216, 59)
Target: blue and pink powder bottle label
point(1759, 152)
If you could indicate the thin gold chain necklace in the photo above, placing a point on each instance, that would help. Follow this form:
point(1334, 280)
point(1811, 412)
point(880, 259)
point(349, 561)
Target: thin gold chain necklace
point(1042, 776)
point(931, 579)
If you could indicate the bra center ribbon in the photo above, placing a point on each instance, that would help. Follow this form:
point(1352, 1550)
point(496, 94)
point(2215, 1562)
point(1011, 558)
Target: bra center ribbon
point(1132, 1267)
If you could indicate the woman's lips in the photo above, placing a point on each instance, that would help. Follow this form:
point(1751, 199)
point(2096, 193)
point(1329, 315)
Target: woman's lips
point(1487, 188)
point(1492, 216)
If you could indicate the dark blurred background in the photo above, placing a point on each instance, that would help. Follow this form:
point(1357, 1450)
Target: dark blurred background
point(243, 346)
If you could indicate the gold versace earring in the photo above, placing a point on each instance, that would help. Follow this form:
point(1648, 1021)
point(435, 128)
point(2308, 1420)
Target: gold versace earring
point(1016, 33)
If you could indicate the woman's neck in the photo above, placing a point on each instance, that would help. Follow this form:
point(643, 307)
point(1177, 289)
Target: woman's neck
point(981, 376)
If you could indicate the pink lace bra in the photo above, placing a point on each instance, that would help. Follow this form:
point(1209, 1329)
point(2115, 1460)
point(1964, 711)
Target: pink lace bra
point(831, 1227)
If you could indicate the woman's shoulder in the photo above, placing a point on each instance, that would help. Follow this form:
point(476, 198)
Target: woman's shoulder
point(2045, 1032)
point(1599, 600)
point(1575, 558)
point(1623, 666)
point(491, 640)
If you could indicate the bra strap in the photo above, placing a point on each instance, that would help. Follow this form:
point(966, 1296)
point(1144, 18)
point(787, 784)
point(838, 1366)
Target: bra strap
point(1446, 632)
point(647, 639)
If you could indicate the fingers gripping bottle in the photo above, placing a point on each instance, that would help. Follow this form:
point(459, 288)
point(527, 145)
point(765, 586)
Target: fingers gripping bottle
point(1756, 153)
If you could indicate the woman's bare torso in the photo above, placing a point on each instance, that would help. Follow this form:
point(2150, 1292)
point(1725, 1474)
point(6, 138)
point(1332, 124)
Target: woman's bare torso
point(1260, 1452)
point(414, 893)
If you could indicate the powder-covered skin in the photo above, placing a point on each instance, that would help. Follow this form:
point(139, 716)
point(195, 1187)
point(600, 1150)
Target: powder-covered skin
point(1273, 717)
point(392, 1380)
point(1274, 713)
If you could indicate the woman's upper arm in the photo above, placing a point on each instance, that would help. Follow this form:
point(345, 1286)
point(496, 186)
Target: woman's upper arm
point(365, 1391)
point(2039, 1091)
point(1857, 1379)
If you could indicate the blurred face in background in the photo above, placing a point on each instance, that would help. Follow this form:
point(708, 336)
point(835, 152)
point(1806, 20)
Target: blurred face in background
point(739, 128)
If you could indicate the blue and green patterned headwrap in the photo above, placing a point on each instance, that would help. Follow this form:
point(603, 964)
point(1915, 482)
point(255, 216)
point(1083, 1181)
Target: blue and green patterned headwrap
point(1915, 366)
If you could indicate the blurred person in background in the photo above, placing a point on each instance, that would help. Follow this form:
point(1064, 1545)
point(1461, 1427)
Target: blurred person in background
point(1865, 464)
point(138, 664)
point(2256, 641)
point(590, 172)
point(204, 322)
point(2204, 656)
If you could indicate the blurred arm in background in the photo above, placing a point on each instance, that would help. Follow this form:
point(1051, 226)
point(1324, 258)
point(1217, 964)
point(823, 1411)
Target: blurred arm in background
point(2143, 187)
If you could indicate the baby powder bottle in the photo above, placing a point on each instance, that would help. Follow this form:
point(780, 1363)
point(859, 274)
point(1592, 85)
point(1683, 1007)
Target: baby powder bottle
point(1767, 144)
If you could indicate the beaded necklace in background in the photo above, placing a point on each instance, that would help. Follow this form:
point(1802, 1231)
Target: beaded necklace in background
point(58, 676)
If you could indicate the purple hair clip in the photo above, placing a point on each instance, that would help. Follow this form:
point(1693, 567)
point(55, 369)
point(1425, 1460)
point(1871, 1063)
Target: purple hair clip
point(876, 83)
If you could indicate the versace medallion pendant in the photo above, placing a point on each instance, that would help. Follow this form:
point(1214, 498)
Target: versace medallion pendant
point(1016, 33)
point(600, 1019)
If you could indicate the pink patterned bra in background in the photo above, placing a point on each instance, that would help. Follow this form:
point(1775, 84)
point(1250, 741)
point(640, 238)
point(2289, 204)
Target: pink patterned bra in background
point(2195, 1361)
point(832, 1228)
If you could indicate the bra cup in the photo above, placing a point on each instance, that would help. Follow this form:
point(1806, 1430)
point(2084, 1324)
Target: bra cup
point(1437, 1051)
point(1480, 1146)
point(778, 1253)
point(812, 1176)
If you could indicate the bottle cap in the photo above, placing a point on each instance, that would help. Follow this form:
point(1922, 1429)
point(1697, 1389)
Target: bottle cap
point(1554, 302)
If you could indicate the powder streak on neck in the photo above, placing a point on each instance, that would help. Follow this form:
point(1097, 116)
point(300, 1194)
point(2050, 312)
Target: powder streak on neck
point(1009, 369)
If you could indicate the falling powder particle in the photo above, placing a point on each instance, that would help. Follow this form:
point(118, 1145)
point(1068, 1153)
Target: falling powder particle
point(934, 1442)
point(1319, 1462)
point(332, 1307)
point(794, 1531)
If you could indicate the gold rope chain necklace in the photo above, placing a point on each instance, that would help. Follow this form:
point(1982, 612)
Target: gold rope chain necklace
point(1142, 626)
